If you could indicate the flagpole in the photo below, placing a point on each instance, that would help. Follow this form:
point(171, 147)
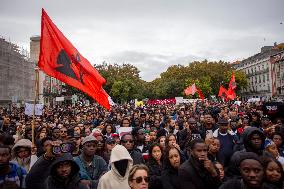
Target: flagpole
point(35, 100)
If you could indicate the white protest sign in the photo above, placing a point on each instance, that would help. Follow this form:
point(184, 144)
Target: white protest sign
point(59, 99)
point(29, 109)
point(124, 130)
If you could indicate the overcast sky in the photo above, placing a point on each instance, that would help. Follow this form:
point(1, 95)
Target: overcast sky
point(151, 34)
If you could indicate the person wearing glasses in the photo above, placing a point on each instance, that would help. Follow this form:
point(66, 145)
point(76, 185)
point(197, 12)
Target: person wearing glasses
point(127, 141)
point(139, 177)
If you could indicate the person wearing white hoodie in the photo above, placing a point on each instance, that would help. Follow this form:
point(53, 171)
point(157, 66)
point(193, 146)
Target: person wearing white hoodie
point(117, 177)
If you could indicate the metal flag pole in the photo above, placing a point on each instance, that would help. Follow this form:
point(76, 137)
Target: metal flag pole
point(35, 101)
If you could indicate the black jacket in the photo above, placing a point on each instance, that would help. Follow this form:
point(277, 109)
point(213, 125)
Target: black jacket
point(233, 168)
point(170, 178)
point(162, 132)
point(183, 137)
point(194, 176)
point(238, 184)
point(43, 175)
point(137, 157)
point(155, 173)
point(38, 174)
point(55, 182)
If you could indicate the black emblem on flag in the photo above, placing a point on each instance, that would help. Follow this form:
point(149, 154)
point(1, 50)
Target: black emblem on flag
point(65, 65)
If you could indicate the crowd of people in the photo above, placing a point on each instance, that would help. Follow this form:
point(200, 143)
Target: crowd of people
point(197, 146)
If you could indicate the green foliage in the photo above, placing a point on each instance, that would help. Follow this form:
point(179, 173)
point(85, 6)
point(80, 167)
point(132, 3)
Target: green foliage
point(208, 76)
point(124, 82)
point(204, 84)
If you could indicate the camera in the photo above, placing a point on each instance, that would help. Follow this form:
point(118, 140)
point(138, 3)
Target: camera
point(62, 148)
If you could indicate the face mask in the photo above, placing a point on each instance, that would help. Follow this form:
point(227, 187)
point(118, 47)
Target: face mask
point(121, 166)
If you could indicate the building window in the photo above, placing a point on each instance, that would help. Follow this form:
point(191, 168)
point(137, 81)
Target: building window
point(263, 79)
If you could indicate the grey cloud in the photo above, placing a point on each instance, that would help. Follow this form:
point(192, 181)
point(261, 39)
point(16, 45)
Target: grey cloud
point(150, 65)
point(152, 34)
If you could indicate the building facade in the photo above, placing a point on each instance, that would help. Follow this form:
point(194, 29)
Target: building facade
point(17, 74)
point(259, 71)
point(277, 70)
point(49, 87)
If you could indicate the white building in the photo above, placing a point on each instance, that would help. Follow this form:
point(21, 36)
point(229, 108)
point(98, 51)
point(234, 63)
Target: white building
point(258, 69)
point(277, 70)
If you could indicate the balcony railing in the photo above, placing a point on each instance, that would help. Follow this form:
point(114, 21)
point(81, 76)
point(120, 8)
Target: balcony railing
point(258, 72)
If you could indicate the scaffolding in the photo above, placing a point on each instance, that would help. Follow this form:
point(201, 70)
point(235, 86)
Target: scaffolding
point(16, 74)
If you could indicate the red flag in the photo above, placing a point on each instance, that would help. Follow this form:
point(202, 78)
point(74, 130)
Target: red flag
point(231, 95)
point(222, 92)
point(232, 84)
point(60, 59)
point(200, 93)
point(190, 90)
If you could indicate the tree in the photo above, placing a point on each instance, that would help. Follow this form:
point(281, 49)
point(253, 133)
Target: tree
point(204, 84)
point(124, 82)
point(124, 79)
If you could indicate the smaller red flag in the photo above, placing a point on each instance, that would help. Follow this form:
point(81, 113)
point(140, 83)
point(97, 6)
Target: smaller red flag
point(233, 84)
point(223, 92)
point(200, 94)
point(231, 95)
point(190, 90)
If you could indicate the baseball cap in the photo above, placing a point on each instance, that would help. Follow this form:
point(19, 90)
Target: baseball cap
point(109, 140)
point(114, 135)
point(223, 121)
point(89, 138)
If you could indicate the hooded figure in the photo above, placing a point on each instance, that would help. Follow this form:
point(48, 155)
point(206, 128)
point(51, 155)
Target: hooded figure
point(253, 140)
point(21, 153)
point(64, 173)
point(117, 177)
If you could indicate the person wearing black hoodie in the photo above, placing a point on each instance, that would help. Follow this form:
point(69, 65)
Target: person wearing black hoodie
point(51, 172)
point(64, 174)
point(251, 173)
point(253, 141)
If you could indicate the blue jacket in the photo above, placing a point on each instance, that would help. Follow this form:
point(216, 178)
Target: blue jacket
point(100, 167)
